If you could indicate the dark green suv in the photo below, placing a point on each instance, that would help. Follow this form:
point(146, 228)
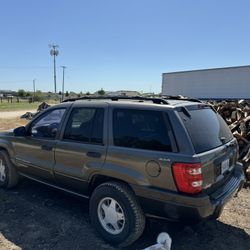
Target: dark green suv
point(133, 157)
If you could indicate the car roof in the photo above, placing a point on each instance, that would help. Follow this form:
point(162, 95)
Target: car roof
point(167, 102)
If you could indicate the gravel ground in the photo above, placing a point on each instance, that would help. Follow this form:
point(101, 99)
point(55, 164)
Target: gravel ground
point(33, 216)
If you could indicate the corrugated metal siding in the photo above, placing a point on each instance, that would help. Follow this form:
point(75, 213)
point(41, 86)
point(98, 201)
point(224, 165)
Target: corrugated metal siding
point(213, 83)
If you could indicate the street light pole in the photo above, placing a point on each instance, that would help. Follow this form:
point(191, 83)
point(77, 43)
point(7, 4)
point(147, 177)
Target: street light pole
point(63, 67)
point(54, 52)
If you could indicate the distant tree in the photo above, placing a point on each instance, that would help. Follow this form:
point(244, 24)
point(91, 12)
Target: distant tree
point(88, 93)
point(60, 92)
point(28, 94)
point(21, 93)
point(72, 93)
point(101, 92)
point(67, 94)
point(38, 96)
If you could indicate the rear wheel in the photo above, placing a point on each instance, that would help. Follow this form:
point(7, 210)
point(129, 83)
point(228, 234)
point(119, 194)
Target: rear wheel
point(8, 172)
point(116, 214)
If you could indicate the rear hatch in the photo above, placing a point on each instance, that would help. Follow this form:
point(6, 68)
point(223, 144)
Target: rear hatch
point(214, 145)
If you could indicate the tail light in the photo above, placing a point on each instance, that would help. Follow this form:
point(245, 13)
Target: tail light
point(188, 177)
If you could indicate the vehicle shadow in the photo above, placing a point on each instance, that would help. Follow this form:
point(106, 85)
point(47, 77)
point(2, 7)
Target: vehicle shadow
point(33, 216)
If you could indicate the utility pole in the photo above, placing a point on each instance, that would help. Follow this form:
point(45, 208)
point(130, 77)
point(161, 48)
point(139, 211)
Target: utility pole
point(63, 67)
point(54, 52)
point(34, 89)
point(34, 86)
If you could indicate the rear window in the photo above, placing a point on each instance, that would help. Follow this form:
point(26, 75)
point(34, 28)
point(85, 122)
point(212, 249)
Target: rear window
point(206, 128)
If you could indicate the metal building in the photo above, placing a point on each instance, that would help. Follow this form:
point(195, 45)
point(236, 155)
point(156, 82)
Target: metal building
point(217, 83)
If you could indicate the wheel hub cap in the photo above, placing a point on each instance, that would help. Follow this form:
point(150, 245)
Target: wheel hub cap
point(111, 215)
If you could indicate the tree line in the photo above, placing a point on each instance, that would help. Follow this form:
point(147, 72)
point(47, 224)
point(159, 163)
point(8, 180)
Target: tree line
point(39, 96)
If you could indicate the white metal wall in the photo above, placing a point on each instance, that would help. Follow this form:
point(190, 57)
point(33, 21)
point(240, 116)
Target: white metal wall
point(231, 82)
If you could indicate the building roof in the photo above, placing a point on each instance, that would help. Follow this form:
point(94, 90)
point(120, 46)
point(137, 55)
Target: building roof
point(186, 71)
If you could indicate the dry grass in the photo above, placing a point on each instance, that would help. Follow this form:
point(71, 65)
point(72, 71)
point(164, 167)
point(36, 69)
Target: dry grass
point(10, 123)
point(23, 105)
point(5, 106)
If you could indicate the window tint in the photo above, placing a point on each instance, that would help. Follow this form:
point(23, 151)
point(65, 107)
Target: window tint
point(85, 125)
point(206, 128)
point(47, 125)
point(140, 129)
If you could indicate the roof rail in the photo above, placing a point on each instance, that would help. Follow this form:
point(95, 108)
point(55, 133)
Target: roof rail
point(156, 100)
point(180, 97)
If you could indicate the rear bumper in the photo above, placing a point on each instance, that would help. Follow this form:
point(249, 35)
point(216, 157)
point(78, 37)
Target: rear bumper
point(176, 206)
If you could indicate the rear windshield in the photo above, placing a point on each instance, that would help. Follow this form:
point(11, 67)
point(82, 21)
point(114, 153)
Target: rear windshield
point(206, 128)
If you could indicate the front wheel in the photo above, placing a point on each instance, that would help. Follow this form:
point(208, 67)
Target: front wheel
point(8, 172)
point(116, 214)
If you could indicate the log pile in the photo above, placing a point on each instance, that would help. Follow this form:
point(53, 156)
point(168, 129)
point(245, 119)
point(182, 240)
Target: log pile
point(30, 115)
point(237, 116)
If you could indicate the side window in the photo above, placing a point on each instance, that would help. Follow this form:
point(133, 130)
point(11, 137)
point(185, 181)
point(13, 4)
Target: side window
point(47, 125)
point(85, 125)
point(140, 129)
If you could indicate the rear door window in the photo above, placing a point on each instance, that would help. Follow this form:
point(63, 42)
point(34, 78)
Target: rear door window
point(141, 129)
point(206, 128)
point(85, 125)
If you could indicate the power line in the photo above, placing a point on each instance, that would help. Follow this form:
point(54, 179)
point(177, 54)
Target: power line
point(21, 81)
point(23, 67)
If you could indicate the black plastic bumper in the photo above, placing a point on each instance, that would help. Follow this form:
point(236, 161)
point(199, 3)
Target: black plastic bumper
point(177, 207)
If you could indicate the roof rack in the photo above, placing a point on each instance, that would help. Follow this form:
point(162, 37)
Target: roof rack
point(180, 97)
point(156, 100)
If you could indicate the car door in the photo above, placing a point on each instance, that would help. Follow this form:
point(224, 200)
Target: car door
point(82, 147)
point(34, 153)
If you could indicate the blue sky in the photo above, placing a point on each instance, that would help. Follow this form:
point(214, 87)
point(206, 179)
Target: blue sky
point(118, 44)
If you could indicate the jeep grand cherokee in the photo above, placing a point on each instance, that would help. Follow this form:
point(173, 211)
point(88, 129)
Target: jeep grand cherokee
point(133, 157)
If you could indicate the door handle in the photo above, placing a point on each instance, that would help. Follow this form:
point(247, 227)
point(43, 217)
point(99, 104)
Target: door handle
point(46, 147)
point(94, 154)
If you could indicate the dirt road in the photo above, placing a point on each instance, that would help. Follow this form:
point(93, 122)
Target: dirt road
point(11, 119)
point(33, 216)
point(13, 114)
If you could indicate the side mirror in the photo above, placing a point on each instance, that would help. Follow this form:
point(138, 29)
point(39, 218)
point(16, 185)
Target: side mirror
point(20, 131)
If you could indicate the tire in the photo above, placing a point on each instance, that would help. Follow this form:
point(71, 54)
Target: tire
point(8, 173)
point(131, 223)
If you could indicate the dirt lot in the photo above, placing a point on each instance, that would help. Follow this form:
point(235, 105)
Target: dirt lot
point(11, 119)
point(33, 216)
point(37, 217)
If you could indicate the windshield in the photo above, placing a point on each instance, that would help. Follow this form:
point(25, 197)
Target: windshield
point(206, 128)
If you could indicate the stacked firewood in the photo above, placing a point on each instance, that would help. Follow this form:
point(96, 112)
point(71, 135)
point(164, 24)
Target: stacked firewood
point(237, 116)
point(30, 115)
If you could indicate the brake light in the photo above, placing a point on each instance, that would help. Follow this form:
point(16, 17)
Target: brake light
point(188, 177)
